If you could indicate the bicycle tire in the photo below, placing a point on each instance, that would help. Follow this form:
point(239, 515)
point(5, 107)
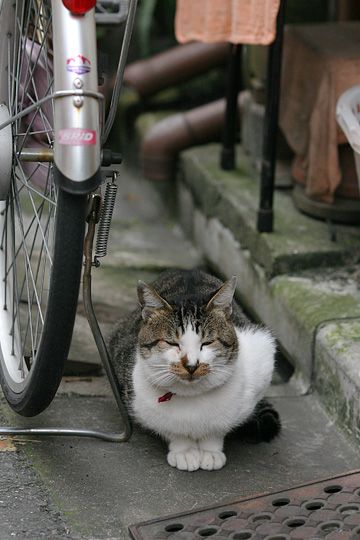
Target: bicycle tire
point(41, 228)
point(45, 375)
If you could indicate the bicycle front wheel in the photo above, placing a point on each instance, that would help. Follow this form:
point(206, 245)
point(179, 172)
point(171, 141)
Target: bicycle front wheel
point(41, 227)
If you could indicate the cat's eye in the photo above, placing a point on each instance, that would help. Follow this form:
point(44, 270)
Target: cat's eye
point(171, 343)
point(206, 343)
point(164, 344)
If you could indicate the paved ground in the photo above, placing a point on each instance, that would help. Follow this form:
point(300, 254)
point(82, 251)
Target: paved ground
point(89, 489)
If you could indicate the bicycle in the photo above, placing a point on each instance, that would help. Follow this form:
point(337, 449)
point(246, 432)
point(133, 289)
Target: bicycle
point(52, 131)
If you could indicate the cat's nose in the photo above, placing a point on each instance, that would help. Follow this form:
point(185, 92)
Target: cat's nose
point(191, 367)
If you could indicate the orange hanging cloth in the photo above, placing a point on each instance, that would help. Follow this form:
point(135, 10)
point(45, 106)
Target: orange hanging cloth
point(236, 21)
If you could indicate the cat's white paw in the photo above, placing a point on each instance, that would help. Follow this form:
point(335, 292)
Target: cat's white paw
point(212, 460)
point(186, 460)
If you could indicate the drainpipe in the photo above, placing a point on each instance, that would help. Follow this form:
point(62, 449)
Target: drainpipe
point(173, 66)
point(170, 136)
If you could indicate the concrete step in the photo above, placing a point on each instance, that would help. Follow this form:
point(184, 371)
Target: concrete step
point(296, 280)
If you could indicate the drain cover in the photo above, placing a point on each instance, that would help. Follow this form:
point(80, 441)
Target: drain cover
point(328, 509)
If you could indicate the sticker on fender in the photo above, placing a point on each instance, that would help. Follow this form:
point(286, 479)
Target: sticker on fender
point(77, 136)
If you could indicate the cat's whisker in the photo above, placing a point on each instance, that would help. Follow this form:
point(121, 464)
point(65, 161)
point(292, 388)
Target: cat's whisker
point(220, 370)
point(222, 365)
point(164, 378)
point(166, 375)
point(157, 372)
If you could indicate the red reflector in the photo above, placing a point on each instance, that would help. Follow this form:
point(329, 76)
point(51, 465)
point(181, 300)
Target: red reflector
point(79, 7)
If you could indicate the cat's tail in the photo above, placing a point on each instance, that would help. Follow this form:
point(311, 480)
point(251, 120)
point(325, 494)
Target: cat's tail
point(263, 425)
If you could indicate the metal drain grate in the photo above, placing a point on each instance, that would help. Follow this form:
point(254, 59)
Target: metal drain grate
point(328, 509)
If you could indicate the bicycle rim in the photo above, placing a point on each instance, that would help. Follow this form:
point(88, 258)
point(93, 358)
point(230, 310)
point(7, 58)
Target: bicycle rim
point(35, 332)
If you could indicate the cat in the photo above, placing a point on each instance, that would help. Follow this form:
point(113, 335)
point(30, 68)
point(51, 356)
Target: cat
point(192, 368)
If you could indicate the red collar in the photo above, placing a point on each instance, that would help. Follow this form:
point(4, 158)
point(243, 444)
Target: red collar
point(166, 397)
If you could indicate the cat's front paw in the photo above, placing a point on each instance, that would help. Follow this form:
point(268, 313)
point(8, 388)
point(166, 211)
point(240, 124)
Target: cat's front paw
point(186, 460)
point(212, 460)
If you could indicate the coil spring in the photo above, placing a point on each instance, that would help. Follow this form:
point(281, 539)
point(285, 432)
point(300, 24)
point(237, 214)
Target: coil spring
point(105, 219)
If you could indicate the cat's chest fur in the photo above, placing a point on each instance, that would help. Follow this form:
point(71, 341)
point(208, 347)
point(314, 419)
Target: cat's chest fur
point(214, 411)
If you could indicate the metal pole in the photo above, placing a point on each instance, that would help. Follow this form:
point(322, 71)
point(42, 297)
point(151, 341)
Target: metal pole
point(265, 213)
point(231, 123)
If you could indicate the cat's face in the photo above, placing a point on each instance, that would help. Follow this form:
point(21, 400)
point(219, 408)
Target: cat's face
point(187, 349)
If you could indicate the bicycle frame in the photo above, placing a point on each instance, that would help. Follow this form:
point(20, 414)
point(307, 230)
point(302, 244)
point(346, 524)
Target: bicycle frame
point(77, 123)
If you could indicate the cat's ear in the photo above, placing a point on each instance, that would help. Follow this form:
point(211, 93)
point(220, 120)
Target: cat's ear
point(223, 297)
point(150, 300)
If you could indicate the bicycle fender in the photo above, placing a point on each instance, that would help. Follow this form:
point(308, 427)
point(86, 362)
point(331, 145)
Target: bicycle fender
point(76, 113)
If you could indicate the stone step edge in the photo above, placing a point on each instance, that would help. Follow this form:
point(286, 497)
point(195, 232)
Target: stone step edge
point(276, 303)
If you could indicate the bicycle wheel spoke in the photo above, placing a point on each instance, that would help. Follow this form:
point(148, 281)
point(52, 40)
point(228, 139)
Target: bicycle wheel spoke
point(15, 290)
point(4, 249)
point(16, 66)
point(35, 219)
point(32, 61)
point(48, 131)
point(31, 188)
point(32, 247)
point(29, 132)
point(29, 320)
point(36, 216)
point(26, 37)
point(28, 268)
point(38, 132)
point(42, 279)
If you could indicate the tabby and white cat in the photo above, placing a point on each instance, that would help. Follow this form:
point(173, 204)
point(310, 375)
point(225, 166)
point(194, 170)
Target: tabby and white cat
point(192, 369)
